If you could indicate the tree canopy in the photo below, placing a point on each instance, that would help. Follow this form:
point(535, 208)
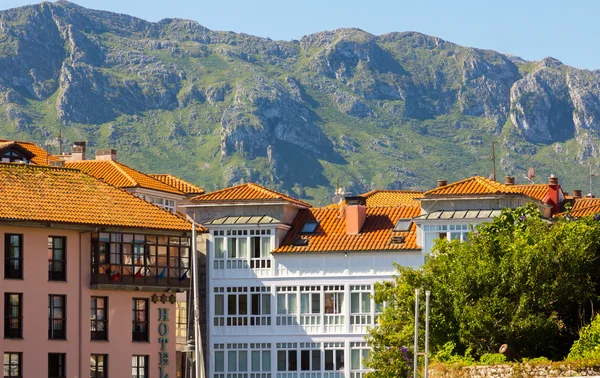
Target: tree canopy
point(519, 280)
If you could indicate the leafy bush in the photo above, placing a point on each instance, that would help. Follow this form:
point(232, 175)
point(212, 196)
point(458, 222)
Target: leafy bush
point(492, 359)
point(446, 354)
point(588, 345)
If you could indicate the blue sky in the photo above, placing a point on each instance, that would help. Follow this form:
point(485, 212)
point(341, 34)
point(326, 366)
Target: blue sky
point(531, 29)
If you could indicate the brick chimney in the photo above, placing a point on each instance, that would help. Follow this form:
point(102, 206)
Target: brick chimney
point(442, 183)
point(510, 180)
point(78, 151)
point(356, 214)
point(554, 196)
point(577, 193)
point(106, 154)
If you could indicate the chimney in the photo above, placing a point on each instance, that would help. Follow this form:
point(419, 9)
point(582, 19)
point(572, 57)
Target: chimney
point(577, 193)
point(554, 196)
point(442, 183)
point(106, 154)
point(510, 180)
point(356, 214)
point(78, 151)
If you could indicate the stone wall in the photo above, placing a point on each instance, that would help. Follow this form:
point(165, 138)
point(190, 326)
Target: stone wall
point(533, 370)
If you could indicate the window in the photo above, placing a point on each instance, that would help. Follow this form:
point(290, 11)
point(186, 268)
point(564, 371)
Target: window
point(57, 327)
point(403, 225)
point(334, 356)
point(13, 316)
point(309, 227)
point(57, 259)
point(181, 319)
point(310, 357)
point(161, 202)
point(333, 301)
point(237, 358)
point(98, 318)
point(219, 307)
point(219, 359)
point(99, 366)
point(239, 249)
point(260, 359)
point(360, 304)
point(287, 308)
point(287, 360)
point(13, 364)
point(310, 303)
point(57, 365)
point(443, 231)
point(359, 355)
point(140, 319)
point(139, 366)
point(12, 156)
point(13, 256)
point(237, 306)
point(260, 300)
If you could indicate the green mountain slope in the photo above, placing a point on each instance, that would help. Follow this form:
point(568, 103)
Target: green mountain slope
point(399, 110)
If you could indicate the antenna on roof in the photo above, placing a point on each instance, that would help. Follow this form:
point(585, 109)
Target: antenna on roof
point(493, 175)
point(60, 146)
point(339, 194)
point(530, 174)
point(591, 175)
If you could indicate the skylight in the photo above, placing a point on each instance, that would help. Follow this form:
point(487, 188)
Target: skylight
point(309, 227)
point(403, 225)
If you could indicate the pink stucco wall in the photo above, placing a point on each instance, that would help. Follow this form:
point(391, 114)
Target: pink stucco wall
point(35, 287)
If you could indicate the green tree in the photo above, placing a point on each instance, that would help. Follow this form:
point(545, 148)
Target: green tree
point(519, 280)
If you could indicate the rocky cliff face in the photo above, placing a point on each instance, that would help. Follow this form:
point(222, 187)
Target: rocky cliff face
point(398, 110)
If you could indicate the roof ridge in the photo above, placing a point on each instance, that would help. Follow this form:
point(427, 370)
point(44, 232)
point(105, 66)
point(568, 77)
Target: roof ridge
point(266, 190)
point(120, 169)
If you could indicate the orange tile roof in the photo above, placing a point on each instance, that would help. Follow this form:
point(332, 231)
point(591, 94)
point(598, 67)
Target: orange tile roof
point(177, 183)
point(537, 191)
point(248, 192)
point(120, 175)
point(50, 194)
point(41, 157)
point(473, 186)
point(584, 202)
point(330, 236)
point(392, 197)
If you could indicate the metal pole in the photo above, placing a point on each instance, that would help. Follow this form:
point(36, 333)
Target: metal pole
point(197, 338)
point(416, 346)
point(427, 294)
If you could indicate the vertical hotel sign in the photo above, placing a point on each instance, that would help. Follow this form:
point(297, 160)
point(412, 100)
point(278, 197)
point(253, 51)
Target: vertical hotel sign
point(163, 339)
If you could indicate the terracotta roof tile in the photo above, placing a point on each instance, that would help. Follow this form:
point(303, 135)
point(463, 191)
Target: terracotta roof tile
point(537, 191)
point(585, 202)
point(248, 192)
point(41, 157)
point(49, 194)
point(473, 185)
point(330, 235)
point(120, 175)
point(392, 197)
point(177, 183)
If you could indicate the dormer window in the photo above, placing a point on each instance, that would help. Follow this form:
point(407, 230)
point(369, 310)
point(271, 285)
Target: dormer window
point(403, 225)
point(13, 156)
point(309, 227)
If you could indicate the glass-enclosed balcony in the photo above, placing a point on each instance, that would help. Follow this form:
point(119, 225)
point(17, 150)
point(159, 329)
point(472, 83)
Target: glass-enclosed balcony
point(133, 261)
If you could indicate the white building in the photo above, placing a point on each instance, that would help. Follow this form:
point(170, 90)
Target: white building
point(290, 287)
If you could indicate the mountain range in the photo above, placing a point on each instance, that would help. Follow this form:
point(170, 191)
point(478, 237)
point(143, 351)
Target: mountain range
point(336, 108)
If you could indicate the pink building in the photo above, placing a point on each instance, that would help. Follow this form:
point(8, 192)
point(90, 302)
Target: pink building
point(89, 275)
